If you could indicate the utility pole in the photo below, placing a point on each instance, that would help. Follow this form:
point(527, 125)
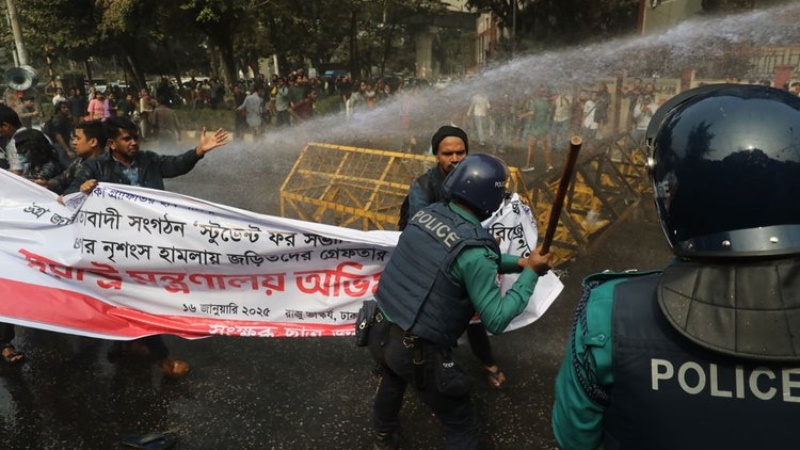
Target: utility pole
point(22, 56)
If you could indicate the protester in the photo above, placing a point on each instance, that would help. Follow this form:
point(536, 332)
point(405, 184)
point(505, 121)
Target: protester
point(77, 105)
point(643, 112)
point(89, 142)
point(29, 114)
point(39, 157)
point(303, 110)
point(479, 110)
point(165, 124)
point(253, 107)
point(30, 154)
point(539, 118)
point(59, 129)
point(146, 106)
point(282, 103)
point(97, 109)
point(239, 118)
point(10, 124)
point(124, 163)
point(59, 97)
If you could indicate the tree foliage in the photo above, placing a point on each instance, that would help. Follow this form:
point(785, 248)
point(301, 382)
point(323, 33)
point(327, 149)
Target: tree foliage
point(166, 37)
point(225, 36)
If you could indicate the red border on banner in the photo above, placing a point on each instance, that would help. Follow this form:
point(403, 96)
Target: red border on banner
point(86, 315)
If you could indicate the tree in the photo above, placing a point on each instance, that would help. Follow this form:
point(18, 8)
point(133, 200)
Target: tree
point(128, 31)
point(221, 20)
point(76, 36)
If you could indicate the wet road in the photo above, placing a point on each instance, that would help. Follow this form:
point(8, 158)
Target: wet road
point(247, 393)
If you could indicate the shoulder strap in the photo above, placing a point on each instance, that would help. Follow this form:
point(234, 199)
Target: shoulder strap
point(583, 365)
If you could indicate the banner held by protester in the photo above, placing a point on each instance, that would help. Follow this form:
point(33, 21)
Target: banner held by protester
point(127, 262)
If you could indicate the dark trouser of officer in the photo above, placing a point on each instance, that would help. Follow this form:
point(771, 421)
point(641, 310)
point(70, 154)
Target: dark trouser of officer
point(441, 385)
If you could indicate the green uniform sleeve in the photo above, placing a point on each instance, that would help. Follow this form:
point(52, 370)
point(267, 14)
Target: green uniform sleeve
point(578, 420)
point(508, 263)
point(477, 268)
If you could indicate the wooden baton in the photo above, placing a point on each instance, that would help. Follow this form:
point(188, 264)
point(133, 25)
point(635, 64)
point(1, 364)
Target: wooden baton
point(558, 204)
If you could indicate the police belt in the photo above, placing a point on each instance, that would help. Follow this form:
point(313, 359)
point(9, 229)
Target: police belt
point(411, 342)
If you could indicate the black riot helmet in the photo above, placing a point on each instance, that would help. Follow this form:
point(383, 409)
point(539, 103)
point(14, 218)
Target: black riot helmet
point(726, 171)
point(480, 182)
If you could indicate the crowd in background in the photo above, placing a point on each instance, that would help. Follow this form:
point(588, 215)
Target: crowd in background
point(528, 123)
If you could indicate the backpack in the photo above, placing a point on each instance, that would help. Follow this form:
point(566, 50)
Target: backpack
point(424, 182)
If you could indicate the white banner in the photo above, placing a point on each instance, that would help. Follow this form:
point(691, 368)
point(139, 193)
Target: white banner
point(126, 262)
point(514, 226)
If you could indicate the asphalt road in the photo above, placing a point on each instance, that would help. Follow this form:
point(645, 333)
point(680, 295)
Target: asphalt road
point(304, 393)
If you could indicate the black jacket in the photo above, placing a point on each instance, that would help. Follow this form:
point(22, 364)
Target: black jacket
point(152, 169)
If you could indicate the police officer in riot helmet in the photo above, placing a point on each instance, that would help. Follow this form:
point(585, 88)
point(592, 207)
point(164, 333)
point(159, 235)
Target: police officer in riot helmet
point(706, 353)
point(450, 145)
point(442, 271)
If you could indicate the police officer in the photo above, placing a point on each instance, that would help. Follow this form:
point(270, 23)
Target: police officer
point(706, 353)
point(442, 271)
point(450, 146)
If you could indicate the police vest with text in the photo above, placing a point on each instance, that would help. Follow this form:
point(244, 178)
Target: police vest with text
point(416, 289)
point(670, 393)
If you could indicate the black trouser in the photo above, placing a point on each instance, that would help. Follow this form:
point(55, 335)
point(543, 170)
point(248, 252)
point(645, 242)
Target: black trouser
point(283, 118)
point(6, 334)
point(156, 346)
point(397, 361)
point(239, 125)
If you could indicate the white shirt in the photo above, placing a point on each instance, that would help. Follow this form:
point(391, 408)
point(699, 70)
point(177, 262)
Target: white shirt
point(480, 105)
point(562, 109)
point(14, 161)
point(252, 104)
point(643, 113)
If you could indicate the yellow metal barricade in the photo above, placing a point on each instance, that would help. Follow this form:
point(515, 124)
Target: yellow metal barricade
point(364, 188)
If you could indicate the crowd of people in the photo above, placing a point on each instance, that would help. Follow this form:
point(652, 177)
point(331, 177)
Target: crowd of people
point(68, 154)
point(528, 124)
